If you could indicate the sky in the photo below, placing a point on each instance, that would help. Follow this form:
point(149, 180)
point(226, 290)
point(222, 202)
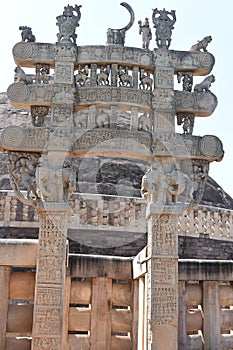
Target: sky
point(195, 20)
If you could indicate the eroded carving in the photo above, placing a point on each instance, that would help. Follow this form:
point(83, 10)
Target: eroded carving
point(145, 122)
point(38, 113)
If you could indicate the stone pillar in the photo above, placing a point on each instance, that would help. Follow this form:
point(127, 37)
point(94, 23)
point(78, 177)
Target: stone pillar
point(4, 295)
point(50, 277)
point(211, 309)
point(162, 289)
point(182, 334)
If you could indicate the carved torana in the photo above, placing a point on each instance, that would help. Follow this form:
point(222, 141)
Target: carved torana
point(109, 101)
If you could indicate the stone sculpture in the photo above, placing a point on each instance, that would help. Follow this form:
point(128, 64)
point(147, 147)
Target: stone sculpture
point(21, 76)
point(55, 183)
point(163, 22)
point(82, 77)
point(102, 76)
point(145, 122)
point(117, 36)
point(67, 24)
point(125, 78)
point(202, 44)
point(205, 84)
point(22, 168)
point(26, 34)
point(146, 81)
point(145, 30)
point(187, 119)
point(187, 80)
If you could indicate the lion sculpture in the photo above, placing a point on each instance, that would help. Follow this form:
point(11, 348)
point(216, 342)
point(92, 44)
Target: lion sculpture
point(205, 84)
point(202, 44)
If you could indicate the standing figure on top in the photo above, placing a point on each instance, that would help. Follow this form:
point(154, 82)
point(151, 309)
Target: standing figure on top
point(145, 30)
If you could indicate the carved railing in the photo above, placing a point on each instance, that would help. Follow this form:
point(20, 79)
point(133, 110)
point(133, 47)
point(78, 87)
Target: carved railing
point(115, 213)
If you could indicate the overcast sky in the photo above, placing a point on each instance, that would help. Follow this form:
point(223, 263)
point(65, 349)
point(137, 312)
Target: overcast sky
point(195, 19)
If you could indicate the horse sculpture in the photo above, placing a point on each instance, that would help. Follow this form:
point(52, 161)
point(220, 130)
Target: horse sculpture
point(146, 81)
point(102, 76)
point(82, 77)
point(125, 78)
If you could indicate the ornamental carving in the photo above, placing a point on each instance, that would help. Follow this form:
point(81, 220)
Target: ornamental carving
point(163, 22)
point(67, 24)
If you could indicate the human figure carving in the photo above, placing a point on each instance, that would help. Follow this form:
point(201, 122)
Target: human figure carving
point(145, 30)
point(163, 22)
point(187, 80)
point(205, 84)
point(22, 167)
point(26, 34)
point(202, 44)
point(187, 119)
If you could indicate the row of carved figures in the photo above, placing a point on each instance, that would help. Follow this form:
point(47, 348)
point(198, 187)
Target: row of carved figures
point(107, 76)
point(103, 119)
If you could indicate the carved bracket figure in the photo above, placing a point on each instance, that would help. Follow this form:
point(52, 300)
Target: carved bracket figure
point(145, 30)
point(199, 177)
point(55, 183)
point(42, 71)
point(26, 34)
point(187, 80)
point(163, 22)
point(202, 44)
point(117, 36)
point(205, 84)
point(67, 24)
point(187, 119)
point(22, 168)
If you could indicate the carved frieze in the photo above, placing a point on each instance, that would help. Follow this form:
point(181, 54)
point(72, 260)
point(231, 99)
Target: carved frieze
point(201, 104)
point(94, 95)
point(164, 77)
point(64, 73)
